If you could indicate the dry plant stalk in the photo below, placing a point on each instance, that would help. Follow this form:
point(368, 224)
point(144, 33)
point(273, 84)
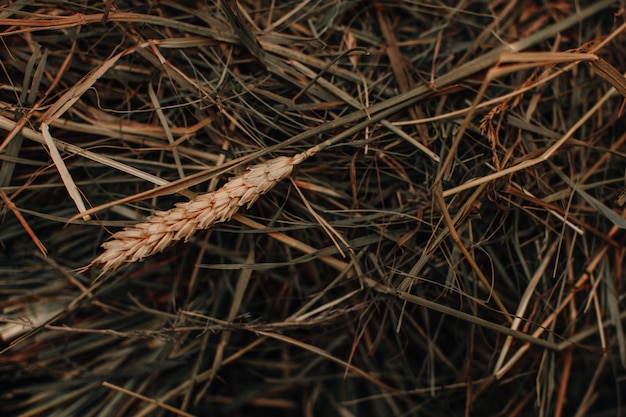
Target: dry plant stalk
point(165, 227)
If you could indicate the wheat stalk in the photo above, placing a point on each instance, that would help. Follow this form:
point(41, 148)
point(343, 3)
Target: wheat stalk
point(165, 227)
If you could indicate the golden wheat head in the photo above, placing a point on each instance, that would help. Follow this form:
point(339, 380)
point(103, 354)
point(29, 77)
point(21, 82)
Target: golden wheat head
point(165, 227)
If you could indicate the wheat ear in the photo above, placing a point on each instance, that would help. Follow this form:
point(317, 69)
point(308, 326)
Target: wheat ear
point(165, 227)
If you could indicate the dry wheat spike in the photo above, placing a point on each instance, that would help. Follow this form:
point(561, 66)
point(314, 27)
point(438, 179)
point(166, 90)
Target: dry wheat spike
point(165, 227)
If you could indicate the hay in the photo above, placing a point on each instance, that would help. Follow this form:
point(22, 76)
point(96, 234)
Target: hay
point(453, 244)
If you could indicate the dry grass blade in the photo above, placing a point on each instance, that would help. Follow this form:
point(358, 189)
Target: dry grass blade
point(159, 404)
point(525, 299)
point(8, 203)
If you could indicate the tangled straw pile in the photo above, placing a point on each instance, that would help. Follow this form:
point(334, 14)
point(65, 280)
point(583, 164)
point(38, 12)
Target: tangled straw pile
point(456, 247)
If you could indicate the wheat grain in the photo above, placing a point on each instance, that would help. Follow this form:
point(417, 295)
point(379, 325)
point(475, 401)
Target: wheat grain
point(165, 227)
